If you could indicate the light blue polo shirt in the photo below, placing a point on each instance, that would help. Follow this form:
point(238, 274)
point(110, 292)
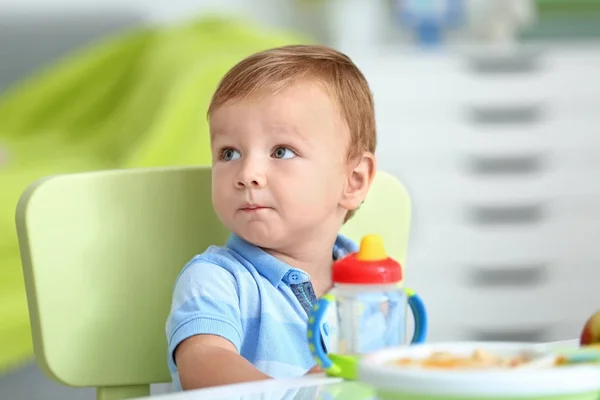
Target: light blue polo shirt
point(252, 299)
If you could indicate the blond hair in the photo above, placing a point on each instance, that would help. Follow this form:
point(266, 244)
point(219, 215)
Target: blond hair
point(276, 69)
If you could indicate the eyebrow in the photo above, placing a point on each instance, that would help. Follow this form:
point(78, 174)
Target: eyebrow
point(274, 128)
point(287, 129)
point(212, 132)
point(284, 128)
point(219, 131)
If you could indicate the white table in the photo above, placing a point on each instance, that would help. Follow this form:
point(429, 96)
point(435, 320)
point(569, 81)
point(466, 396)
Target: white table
point(316, 387)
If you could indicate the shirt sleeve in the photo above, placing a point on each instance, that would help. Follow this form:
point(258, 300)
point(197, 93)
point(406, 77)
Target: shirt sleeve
point(205, 301)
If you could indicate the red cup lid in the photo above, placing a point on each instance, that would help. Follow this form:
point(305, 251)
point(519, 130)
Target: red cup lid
point(370, 265)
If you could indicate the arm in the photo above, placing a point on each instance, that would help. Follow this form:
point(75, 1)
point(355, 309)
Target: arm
point(209, 360)
point(204, 329)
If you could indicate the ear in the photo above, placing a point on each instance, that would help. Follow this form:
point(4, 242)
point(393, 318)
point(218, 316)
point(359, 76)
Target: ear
point(361, 173)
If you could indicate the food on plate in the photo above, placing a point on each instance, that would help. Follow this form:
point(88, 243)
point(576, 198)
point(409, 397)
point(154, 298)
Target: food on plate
point(478, 359)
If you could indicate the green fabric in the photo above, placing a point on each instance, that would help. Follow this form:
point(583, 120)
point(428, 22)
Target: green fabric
point(137, 99)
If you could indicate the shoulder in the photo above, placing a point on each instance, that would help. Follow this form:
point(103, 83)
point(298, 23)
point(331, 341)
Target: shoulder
point(206, 300)
point(207, 289)
point(218, 269)
point(216, 261)
point(204, 273)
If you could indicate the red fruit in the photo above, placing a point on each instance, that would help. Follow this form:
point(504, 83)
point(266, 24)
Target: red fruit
point(591, 330)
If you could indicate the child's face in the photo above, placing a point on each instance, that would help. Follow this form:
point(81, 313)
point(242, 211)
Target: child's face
point(280, 166)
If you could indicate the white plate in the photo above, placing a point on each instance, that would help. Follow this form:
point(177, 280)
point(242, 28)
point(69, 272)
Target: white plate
point(496, 383)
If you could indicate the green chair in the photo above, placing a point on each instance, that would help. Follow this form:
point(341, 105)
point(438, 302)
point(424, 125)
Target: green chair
point(100, 254)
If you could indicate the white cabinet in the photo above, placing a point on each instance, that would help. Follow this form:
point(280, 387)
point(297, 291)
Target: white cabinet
point(502, 160)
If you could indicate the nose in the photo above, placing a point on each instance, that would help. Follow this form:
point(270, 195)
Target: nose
point(251, 175)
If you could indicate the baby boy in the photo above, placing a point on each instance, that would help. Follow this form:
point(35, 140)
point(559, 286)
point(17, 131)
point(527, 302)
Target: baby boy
point(292, 133)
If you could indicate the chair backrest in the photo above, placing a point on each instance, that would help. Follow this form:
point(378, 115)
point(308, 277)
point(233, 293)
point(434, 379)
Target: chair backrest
point(101, 252)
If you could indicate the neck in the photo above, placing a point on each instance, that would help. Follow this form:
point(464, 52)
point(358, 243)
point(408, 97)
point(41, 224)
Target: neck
point(311, 256)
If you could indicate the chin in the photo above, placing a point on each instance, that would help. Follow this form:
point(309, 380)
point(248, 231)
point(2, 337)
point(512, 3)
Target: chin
point(261, 241)
point(259, 237)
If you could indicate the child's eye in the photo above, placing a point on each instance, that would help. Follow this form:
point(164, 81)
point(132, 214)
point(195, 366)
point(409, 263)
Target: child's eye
point(283, 153)
point(230, 155)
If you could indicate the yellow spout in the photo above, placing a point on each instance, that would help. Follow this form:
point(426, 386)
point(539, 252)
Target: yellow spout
point(371, 249)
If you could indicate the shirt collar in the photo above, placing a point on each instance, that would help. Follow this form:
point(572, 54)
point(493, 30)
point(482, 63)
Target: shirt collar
point(343, 246)
point(272, 268)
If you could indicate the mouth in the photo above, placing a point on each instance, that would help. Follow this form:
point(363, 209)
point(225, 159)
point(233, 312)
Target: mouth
point(252, 208)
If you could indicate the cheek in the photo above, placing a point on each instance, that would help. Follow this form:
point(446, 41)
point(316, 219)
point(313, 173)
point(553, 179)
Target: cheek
point(313, 186)
point(222, 175)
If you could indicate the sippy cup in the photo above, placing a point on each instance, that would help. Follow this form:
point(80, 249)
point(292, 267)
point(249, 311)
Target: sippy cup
point(367, 307)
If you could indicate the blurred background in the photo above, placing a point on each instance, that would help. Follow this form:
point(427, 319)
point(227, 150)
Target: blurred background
point(487, 110)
